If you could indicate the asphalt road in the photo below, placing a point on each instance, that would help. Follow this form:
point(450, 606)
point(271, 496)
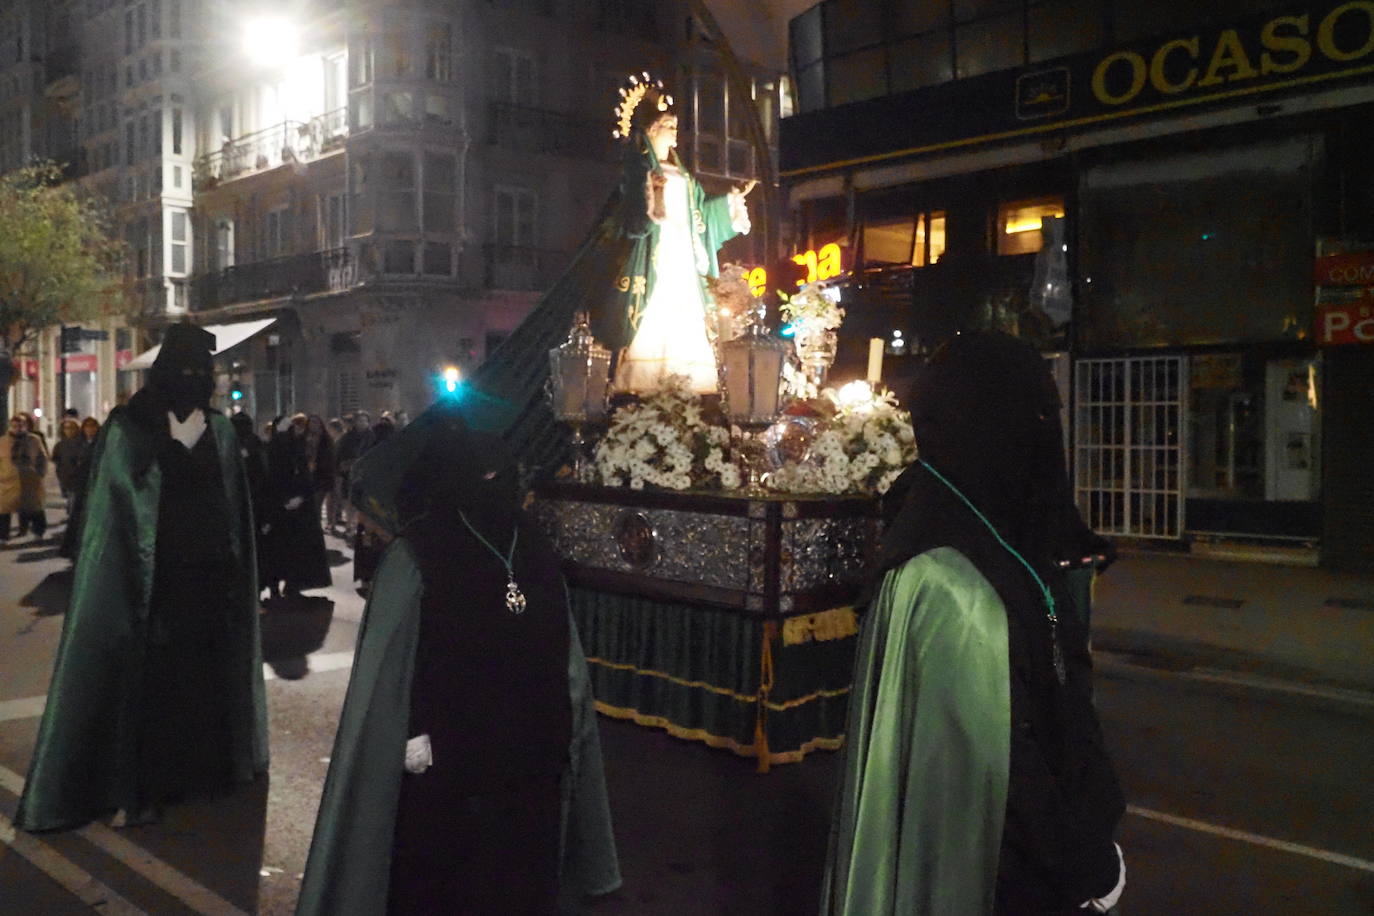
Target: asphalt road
point(1247, 798)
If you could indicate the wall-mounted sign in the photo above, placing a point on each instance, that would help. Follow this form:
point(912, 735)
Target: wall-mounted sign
point(824, 263)
point(1353, 268)
point(758, 282)
point(1346, 323)
point(82, 362)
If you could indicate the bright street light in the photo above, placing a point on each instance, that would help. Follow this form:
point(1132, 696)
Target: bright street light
point(270, 40)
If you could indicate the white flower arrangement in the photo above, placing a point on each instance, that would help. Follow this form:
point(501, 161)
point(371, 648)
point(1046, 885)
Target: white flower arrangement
point(663, 441)
point(861, 447)
point(814, 307)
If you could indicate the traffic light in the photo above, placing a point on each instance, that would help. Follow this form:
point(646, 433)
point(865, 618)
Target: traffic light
point(236, 391)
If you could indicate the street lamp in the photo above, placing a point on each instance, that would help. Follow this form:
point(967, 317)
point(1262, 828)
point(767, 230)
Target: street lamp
point(270, 41)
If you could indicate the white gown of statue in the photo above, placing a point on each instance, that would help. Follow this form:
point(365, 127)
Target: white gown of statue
point(672, 337)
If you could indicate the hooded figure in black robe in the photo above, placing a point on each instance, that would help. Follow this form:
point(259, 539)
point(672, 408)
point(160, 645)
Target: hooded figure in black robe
point(466, 775)
point(157, 694)
point(296, 557)
point(976, 780)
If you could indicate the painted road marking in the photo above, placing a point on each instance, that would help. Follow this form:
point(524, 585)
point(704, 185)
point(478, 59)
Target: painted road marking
point(65, 872)
point(1229, 833)
point(32, 707)
point(141, 861)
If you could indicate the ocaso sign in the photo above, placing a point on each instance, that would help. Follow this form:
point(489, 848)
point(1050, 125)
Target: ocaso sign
point(1293, 44)
point(1355, 268)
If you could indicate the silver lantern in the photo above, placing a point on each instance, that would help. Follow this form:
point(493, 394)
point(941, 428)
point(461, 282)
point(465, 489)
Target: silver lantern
point(751, 370)
point(579, 376)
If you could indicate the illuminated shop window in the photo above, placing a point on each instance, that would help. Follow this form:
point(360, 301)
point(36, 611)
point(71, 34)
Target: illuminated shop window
point(905, 241)
point(1018, 223)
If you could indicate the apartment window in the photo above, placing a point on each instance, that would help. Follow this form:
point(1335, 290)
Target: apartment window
point(155, 17)
point(129, 148)
point(1018, 223)
point(439, 52)
point(438, 259)
point(176, 176)
point(397, 204)
point(275, 234)
point(513, 76)
point(226, 123)
point(180, 239)
point(334, 219)
point(440, 179)
point(362, 61)
point(335, 89)
point(436, 109)
point(176, 131)
point(176, 61)
point(174, 18)
point(142, 25)
point(360, 209)
point(513, 218)
point(398, 107)
point(362, 109)
point(399, 257)
point(224, 244)
point(128, 31)
point(143, 69)
point(395, 55)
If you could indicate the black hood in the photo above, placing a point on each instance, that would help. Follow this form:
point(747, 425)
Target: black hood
point(985, 411)
point(183, 375)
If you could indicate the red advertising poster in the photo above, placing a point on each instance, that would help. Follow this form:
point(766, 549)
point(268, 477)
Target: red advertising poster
point(123, 358)
point(1346, 323)
point(1354, 268)
point(82, 362)
point(30, 369)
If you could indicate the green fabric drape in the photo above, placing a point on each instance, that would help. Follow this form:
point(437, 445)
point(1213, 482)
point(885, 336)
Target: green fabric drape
point(85, 760)
point(347, 872)
point(714, 675)
point(918, 826)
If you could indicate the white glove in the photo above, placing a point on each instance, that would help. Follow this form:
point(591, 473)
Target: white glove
point(1103, 904)
point(188, 433)
point(294, 503)
point(419, 755)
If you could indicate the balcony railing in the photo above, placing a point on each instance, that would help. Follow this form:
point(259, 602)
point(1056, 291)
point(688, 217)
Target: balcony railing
point(282, 144)
point(534, 130)
point(320, 271)
point(520, 267)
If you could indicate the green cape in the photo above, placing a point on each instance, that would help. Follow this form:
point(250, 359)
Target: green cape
point(918, 824)
point(348, 871)
point(84, 762)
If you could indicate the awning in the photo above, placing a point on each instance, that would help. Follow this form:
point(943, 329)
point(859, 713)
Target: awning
point(226, 336)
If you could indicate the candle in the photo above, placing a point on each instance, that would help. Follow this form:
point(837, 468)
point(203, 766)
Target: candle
point(875, 360)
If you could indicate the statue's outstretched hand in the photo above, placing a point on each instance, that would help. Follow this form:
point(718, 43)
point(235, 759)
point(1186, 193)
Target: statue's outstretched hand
point(744, 189)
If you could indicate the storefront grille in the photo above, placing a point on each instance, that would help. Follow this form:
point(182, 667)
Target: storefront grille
point(1128, 444)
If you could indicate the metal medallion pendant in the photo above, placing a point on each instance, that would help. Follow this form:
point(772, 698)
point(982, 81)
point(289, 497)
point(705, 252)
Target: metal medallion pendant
point(515, 599)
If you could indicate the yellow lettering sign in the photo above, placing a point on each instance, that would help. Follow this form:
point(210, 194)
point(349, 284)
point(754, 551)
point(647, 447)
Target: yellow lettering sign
point(824, 263)
point(1138, 72)
point(1326, 32)
point(1157, 76)
point(1289, 44)
point(758, 282)
point(1228, 54)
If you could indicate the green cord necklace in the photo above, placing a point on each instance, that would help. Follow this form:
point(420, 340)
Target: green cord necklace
point(1058, 655)
point(515, 599)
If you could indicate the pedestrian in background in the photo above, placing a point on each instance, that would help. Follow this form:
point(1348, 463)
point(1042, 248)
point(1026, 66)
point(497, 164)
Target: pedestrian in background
point(350, 447)
point(68, 461)
point(466, 774)
point(975, 778)
point(23, 469)
point(333, 500)
point(295, 543)
point(255, 472)
point(369, 541)
point(71, 534)
point(157, 693)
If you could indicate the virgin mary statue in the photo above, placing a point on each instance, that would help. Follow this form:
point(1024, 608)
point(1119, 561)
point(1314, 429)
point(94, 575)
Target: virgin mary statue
point(641, 273)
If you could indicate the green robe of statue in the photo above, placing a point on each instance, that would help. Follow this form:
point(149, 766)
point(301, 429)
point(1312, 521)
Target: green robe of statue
point(85, 763)
point(350, 857)
point(919, 823)
point(610, 276)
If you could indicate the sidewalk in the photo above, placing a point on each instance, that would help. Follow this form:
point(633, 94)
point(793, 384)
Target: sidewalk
point(1291, 622)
